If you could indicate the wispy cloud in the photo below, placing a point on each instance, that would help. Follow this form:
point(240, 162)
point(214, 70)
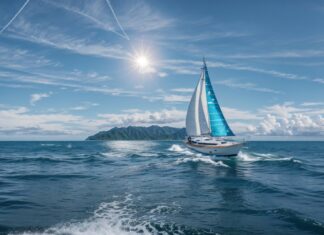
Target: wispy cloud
point(38, 96)
point(68, 80)
point(246, 86)
point(17, 58)
point(190, 67)
point(53, 37)
point(312, 104)
point(92, 13)
point(84, 106)
point(176, 98)
point(279, 54)
point(15, 16)
point(140, 17)
point(183, 90)
point(117, 21)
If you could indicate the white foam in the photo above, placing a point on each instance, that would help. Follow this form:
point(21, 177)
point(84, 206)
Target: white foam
point(264, 154)
point(113, 218)
point(165, 209)
point(177, 148)
point(49, 145)
point(254, 157)
point(194, 157)
point(206, 160)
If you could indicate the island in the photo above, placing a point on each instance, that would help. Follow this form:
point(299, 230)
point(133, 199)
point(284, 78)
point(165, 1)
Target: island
point(141, 133)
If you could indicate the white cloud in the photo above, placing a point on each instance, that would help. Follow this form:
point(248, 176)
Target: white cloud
point(131, 110)
point(189, 67)
point(296, 124)
point(312, 104)
point(53, 37)
point(38, 96)
point(79, 108)
point(176, 98)
point(246, 86)
point(17, 58)
point(20, 120)
point(141, 17)
point(84, 106)
point(20, 123)
point(171, 117)
point(184, 90)
point(286, 119)
point(280, 54)
point(162, 74)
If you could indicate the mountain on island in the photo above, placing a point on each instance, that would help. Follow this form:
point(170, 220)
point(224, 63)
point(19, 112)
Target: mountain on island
point(141, 133)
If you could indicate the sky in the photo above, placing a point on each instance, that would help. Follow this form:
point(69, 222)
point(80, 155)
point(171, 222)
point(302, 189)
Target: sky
point(69, 68)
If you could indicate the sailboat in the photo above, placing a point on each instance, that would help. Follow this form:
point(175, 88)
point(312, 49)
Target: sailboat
point(206, 126)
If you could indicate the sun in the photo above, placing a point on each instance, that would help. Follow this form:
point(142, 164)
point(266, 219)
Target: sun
point(142, 62)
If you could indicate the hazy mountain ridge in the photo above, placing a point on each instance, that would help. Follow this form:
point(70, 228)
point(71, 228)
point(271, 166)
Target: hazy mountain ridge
point(141, 133)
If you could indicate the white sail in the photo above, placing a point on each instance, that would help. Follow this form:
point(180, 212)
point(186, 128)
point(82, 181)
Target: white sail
point(203, 109)
point(197, 121)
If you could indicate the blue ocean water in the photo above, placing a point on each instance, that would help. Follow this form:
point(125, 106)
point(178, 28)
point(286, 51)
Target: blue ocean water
point(160, 187)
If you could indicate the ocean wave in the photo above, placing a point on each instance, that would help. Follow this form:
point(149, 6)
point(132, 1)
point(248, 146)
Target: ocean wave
point(165, 209)
point(194, 157)
point(47, 176)
point(49, 145)
point(178, 149)
point(298, 220)
point(256, 157)
point(33, 160)
point(206, 160)
point(116, 218)
point(128, 148)
point(17, 203)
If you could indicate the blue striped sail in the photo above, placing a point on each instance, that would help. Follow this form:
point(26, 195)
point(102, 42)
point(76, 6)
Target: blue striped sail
point(218, 124)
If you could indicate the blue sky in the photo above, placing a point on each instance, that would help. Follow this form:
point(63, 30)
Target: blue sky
point(68, 67)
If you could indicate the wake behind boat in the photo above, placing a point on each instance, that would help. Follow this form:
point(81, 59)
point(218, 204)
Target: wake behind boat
point(206, 125)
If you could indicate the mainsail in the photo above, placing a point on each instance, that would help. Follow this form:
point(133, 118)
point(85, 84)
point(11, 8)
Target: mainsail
point(204, 116)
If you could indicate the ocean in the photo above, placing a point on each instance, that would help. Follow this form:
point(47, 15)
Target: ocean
point(160, 187)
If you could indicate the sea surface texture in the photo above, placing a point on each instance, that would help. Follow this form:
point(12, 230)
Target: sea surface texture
point(160, 187)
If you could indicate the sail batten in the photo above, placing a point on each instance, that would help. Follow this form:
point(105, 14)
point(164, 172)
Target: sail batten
point(204, 116)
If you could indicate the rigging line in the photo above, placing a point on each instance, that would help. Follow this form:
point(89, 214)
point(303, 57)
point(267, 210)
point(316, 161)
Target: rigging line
point(114, 14)
point(89, 17)
point(14, 17)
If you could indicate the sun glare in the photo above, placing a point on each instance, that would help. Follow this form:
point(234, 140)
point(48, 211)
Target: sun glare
point(142, 62)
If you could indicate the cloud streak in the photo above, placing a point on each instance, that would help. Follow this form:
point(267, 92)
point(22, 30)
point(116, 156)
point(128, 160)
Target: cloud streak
point(14, 17)
point(246, 86)
point(125, 36)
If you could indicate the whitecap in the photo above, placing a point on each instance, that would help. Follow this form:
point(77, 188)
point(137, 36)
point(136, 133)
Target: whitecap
point(111, 218)
point(165, 209)
point(177, 148)
point(49, 145)
point(254, 157)
point(206, 160)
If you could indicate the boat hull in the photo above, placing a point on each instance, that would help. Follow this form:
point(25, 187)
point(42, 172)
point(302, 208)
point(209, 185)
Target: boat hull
point(228, 150)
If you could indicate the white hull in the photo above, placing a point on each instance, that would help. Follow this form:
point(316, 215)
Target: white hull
point(225, 151)
point(215, 147)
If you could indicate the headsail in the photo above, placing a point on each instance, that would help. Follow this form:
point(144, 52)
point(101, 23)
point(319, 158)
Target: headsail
point(218, 123)
point(204, 114)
